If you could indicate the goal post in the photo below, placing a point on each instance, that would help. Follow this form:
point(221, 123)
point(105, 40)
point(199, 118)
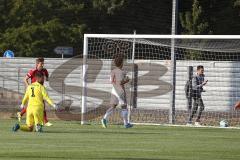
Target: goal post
point(219, 54)
point(84, 81)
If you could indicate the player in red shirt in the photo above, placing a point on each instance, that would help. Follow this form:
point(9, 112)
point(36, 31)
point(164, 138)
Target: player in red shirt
point(31, 75)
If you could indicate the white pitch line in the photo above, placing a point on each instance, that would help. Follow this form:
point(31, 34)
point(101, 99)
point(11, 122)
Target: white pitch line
point(192, 126)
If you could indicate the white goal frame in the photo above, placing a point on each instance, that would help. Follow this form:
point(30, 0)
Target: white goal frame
point(133, 36)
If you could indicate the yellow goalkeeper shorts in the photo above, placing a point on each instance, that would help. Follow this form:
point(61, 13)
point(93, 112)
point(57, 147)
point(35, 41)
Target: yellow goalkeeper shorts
point(34, 116)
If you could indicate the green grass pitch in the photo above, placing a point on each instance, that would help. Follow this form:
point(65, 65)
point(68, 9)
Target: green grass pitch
point(70, 140)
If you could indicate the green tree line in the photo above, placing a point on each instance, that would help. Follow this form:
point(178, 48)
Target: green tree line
point(34, 28)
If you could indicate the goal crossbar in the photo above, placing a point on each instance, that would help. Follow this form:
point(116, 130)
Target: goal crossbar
point(162, 36)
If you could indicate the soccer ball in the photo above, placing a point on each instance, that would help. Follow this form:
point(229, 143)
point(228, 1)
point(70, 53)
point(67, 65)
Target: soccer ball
point(224, 123)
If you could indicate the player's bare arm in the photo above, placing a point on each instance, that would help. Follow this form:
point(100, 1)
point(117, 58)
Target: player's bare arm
point(205, 82)
point(26, 81)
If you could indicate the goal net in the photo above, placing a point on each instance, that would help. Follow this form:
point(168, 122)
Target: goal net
point(148, 64)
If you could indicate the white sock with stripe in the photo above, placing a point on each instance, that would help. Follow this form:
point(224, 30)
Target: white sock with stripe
point(108, 113)
point(125, 116)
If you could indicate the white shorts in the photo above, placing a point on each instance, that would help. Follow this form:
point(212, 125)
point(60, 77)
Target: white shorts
point(118, 100)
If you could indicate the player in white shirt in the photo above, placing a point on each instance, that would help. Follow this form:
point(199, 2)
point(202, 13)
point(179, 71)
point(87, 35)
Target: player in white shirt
point(118, 95)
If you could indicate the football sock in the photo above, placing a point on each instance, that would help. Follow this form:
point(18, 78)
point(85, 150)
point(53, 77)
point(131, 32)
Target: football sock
point(23, 111)
point(125, 116)
point(108, 113)
point(45, 116)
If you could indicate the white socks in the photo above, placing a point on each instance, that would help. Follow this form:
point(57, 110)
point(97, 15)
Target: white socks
point(125, 116)
point(108, 113)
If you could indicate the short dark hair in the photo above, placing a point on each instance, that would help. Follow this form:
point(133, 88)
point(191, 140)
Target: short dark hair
point(40, 59)
point(200, 67)
point(38, 74)
point(118, 59)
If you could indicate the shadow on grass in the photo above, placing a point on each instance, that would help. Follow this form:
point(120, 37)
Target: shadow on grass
point(59, 157)
point(32, 157)
point(105, 131)
point(133, 158)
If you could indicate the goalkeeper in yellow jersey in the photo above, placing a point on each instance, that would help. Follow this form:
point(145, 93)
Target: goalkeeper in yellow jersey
point(35, 94)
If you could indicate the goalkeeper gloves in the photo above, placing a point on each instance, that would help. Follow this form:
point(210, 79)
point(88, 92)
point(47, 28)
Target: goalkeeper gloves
point(21, 106)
